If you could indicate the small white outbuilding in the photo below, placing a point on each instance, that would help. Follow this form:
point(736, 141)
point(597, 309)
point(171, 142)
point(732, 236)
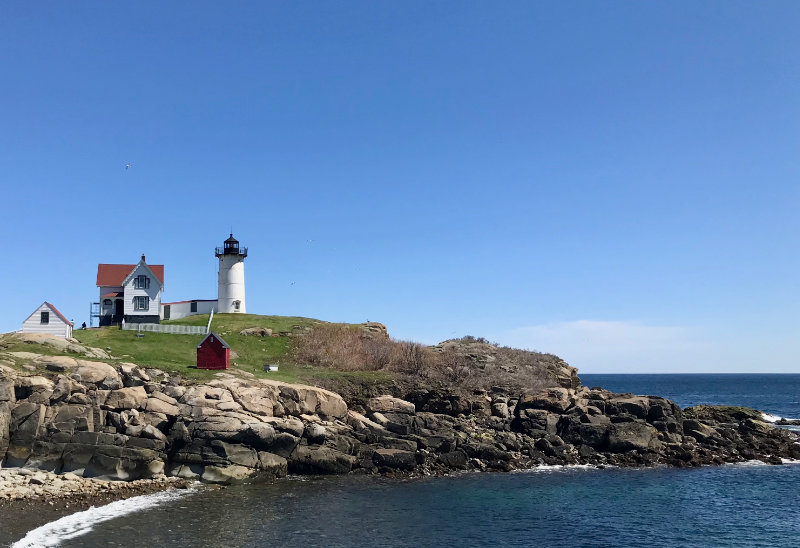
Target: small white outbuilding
point(47, 319)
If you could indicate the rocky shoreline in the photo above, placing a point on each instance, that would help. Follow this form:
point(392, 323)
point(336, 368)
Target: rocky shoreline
point(22, 485)
point(103, 422)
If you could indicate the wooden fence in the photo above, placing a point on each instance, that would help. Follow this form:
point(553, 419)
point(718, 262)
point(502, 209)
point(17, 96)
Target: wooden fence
point(165, 328)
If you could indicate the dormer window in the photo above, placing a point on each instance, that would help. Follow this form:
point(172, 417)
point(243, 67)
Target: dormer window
point(141, 282)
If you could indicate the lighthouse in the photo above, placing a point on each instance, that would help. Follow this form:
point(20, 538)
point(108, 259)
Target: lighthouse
point(230, 287)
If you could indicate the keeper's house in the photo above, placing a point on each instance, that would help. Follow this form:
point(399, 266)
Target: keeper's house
point(130, 291)
point(47, 319)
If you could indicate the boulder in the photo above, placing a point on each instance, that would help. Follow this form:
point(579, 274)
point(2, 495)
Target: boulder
point(757, 426)
point(454, 459)
point(389, 404)
point(394, 458)
point(555, 400)
point(7, 391)
point(637, 406)
point(272, 464)
point(259, 435)
point(98, 373)
point(629, 436)
point(722, 413)
point(284, 444)
point(133, 375)
point(534, 422)
point(699, 431)
point(126, 398)
point(157, 405)
point(241, 455)
point(322, 460)
point(440, 402)
point(227, 475)
point(72, 418)
point(374, 330)
point(500, 409)
point(256, 332)
point(315, 433)
point(256, 399)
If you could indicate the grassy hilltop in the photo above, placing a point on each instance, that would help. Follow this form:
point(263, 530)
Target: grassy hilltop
point(348, 358)
point(178, 353)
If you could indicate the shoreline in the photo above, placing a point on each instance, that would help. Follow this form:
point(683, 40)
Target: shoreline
point(20, 516)
point(26, 505)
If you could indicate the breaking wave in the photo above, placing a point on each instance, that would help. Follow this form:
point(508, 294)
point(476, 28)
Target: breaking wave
point(80, 523)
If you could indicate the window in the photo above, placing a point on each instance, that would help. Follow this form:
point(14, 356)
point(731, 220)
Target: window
point(106, 302)
point(141, 303)
point(141, 282)
point(236, 305)
point(193, 307)
point(45, 317)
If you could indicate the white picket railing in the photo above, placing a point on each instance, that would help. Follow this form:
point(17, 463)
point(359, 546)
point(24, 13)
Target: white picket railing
point(165, 328)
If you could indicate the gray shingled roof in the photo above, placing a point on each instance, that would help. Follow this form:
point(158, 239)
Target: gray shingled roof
point(214, 334)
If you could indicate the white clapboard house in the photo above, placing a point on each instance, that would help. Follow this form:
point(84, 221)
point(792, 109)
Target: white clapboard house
point(130, 292)
point(47, 319)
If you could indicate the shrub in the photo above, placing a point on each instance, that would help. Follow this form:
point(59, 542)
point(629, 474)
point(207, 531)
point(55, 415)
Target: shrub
point(349, 348)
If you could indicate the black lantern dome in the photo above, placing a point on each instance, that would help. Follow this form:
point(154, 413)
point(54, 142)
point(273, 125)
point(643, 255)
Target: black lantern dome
point(231, 247)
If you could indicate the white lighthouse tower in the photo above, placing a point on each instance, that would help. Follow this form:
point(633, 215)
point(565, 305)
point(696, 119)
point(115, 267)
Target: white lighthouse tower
point(230, 288)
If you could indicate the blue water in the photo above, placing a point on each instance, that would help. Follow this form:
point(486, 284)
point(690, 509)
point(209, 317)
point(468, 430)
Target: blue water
point(774, 394)
point(726, 506)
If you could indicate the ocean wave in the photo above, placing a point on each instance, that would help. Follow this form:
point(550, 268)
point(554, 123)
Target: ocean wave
point(756, 462)
point(767, 417)
point(80, 523)
point(557, 468)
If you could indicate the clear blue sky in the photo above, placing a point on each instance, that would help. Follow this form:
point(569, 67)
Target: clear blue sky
point(614, 182)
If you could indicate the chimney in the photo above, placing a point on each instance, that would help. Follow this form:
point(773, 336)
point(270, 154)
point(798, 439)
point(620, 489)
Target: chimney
point(143, 258)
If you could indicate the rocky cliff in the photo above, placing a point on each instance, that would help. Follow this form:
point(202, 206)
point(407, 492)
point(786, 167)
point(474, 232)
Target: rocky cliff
point(127, 422)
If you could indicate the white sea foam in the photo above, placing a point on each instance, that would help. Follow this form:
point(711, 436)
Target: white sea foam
point(80, 523)
point(754, 462)
point(558, 467)
point(775, 418)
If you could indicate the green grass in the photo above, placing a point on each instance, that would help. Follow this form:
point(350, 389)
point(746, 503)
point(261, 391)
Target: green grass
point(177, 354)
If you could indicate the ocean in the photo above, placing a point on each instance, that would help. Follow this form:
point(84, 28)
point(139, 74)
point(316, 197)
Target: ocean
point(735, 505)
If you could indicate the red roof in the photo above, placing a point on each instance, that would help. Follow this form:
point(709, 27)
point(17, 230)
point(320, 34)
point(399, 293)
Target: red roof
point(115, 274)
point(112, 294)
point(59, 314)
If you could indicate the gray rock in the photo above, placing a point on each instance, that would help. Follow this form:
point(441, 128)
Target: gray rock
point(321, 460)
point(227, 475)
point(272, 464)
point(315, 433)
point(629, 436)
point(126, 398)
point(500, 409)
point(394, 458)
point(256, 332)
point(389, 404)
point(455, 459)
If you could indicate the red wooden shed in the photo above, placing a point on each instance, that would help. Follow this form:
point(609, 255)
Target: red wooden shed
point(213, 353)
